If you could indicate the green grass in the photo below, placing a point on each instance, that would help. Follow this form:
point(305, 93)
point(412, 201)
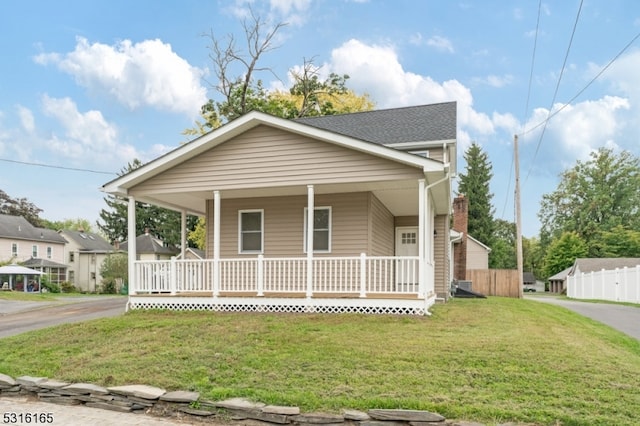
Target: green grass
point(492, 360)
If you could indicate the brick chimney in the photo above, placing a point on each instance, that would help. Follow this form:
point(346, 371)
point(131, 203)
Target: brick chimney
point(460, 224)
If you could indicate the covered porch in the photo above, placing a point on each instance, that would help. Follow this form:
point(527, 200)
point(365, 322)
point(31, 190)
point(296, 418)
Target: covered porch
point(393, 271)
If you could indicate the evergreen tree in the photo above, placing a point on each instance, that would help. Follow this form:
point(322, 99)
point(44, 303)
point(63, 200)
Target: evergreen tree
point(474, 185)
point(162, 223)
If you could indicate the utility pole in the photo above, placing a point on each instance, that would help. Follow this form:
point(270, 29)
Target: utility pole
point(518, 218)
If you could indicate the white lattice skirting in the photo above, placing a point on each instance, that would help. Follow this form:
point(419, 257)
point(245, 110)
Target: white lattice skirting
point(282, 305)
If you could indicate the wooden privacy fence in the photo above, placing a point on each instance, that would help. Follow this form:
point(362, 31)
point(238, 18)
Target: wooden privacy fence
point(494, 282)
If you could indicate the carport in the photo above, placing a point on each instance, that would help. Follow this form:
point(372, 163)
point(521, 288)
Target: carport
point(16, 270)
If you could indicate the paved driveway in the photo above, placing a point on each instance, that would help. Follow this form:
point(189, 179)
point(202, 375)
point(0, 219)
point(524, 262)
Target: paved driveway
point(19, 316)
point(623, 318)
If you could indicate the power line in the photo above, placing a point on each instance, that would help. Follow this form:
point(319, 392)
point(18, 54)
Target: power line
point(50, 166)
point(526, 108)
point(555, 93)
point(615, 58)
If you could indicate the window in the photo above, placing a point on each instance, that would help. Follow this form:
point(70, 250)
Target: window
point(71, 257)
point(408, 238)
point(34, 251)
point(321, 229)
point(49, 252)
point(421, 153)
point(250, 230)
point(14, 249)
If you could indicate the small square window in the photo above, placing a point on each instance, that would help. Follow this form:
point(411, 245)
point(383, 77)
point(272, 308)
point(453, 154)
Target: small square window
point(408, 238)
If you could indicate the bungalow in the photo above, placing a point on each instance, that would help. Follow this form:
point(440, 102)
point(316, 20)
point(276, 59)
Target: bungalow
point(344, 213)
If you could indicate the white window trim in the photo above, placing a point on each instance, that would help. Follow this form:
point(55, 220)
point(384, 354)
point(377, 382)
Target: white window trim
point(240, 251)
point(35, 250)
point(304, 239)
point(15, 253)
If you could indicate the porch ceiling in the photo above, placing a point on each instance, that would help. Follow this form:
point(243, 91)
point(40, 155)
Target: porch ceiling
point(400, 197)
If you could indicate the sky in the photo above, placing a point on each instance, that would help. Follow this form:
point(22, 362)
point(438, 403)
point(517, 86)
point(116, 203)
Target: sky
point(86, 87)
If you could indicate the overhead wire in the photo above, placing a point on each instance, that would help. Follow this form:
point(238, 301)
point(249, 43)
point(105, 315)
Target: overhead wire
point(526, 108)
point(555, 93)
point(27, 163)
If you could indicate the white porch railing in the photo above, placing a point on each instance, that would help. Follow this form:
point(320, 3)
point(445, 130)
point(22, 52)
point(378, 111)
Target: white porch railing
point(620, 285)
point(354, 276)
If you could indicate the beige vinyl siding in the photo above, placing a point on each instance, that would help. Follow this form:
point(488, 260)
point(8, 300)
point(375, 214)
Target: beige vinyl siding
point(284, 224)
point(382, 230)
point(406, 221)
point(436, 154)
point(477, 255)
point(267, 157)
point(441, 255)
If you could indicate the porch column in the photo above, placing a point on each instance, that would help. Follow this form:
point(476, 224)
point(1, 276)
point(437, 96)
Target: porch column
point(310, 217)
point(216, 243)
point(422, 237)
point(131, 244)
point(183, 234)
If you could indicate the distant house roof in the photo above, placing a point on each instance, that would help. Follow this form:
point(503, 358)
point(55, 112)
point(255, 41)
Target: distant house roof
point(200, 254)
point(17, 227)
point(88, 241)
point(423, 123)
point(528, 278)
point(43, 263)
point(562, 275)
point(607, 263)
point(148, 244)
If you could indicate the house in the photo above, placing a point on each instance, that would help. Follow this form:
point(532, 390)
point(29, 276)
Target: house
point(616, 279)
point(558, 282)
point(85, 252)
point(21, 242)
point(345, 213)
point(149, 247)
point(193, 253)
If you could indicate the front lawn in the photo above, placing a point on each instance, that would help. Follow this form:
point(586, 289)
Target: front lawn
point(491, 360)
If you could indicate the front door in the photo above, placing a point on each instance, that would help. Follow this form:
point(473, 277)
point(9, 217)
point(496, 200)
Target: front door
point(407, 271)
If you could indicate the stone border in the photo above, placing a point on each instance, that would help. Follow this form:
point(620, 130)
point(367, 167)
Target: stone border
point(186, 405)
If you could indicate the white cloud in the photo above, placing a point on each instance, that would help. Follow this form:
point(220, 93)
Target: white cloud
point(579, 129)
point(141, 74)
point(440, 43)
point(376, 70)
point(87, 136)
point(26, 119)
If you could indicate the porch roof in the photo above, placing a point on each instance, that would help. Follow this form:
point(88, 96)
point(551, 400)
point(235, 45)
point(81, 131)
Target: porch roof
point(390, 193)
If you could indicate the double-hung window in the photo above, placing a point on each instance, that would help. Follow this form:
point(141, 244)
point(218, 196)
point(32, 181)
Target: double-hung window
point(321, 229)
point(251, 231)
point(34, 251)
point(14, 249)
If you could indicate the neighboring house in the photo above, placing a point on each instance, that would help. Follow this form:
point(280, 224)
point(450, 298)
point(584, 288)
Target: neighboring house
point(345, 213)
point(20, 242)
point(85, 253)
point(558, 282)
point(192, 253)
point(55, 272)
point(149, 247)
point(616, 279)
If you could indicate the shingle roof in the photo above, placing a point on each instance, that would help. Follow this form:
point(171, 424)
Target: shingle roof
point(147, 244)
point(423, 123)
point(19, 228)
point(88, 241)
point(607, 263)
point(43, 263)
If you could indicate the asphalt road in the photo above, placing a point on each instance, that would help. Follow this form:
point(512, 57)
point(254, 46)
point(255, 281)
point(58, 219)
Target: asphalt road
point(620, 317)
point(19, 317)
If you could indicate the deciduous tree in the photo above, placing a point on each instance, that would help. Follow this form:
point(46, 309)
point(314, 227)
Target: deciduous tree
point(593, 197)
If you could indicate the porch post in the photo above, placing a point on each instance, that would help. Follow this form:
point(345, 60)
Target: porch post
point(131, 244)
point(183, 234)
point(216, 243)
point(310, 217)
point(422, 237)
